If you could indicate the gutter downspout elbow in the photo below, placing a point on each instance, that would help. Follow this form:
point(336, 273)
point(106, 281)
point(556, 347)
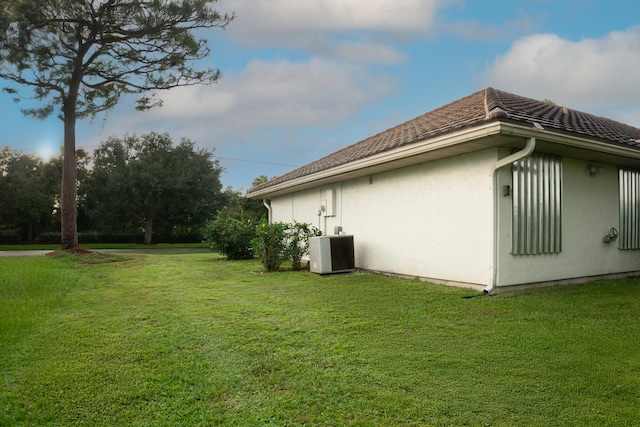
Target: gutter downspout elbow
point(267, 205)
point(525, 152)
point(518, 155)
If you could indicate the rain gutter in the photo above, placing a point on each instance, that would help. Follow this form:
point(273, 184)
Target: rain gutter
point(267, 204)
point(361, 167)
point(525, 152)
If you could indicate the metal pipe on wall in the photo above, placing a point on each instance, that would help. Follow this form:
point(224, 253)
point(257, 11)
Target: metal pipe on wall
point(526, 151)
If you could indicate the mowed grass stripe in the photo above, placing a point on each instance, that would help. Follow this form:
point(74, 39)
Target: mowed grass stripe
point(197, 340)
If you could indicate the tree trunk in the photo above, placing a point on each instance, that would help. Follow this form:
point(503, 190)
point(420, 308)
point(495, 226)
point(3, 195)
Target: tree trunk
point(69, 191)
point(148, 230)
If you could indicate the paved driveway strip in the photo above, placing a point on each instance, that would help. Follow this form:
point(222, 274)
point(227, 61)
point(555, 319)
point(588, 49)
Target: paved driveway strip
point(23, 253)
point(119, 251)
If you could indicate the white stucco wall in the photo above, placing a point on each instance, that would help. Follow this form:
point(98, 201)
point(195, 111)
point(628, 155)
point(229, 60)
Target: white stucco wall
point(436, 220)
point(590, 210)
point(432, 220)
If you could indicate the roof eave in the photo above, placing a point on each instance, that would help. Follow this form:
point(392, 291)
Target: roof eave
point(367, 165)
point(557, 140)
point(394, 158)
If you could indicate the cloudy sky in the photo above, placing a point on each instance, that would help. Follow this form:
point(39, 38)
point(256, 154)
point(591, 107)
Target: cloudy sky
point(304, 78)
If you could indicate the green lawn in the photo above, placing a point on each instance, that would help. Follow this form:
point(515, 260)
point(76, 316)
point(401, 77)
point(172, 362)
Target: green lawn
point(139, 340)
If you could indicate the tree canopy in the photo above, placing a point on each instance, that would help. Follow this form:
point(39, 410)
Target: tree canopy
point(81, 56)
point(147, 182)
point(78, 57)
point(25, 185)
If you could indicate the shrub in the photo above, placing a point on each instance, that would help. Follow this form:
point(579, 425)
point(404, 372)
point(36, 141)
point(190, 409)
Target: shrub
point(277, 242)
point(231, 237)
point(11, 237)
point(92, 237)
point(49, 237)
point(97, 237)
point(182, 235)
point(270, 243)
point(297, 246)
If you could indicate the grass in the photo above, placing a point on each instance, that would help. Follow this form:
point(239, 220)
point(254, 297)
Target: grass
point(195, 340)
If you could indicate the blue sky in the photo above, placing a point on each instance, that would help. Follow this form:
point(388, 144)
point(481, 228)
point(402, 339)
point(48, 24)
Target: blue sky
point(304, 78)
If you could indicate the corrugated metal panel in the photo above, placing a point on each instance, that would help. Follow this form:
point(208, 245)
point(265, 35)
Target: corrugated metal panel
point(629, 184)
point(537, 205)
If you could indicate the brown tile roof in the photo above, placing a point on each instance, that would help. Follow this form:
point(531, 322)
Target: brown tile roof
point(551, 116)
point(480, 107)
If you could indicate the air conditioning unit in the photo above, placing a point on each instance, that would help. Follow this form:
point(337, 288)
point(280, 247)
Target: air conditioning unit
point(331, 254)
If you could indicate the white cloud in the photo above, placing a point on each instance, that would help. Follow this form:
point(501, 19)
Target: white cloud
point(270, 94)
point(359, 52)
point(587, 74)
point(266, 96)
point(347, 29)
point(274, 19)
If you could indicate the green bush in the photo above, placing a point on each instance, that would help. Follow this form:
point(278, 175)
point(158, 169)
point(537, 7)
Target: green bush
point(281, 241)
point(297, 245)
point(92, 237)
point(231, 237)
point(10, 238)
point(181, 235)
point(109, 238)
point(49, 237)
point(270, 243)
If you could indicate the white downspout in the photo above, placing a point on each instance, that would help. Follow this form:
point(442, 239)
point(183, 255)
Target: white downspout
point(525, 152)
point(267, 205)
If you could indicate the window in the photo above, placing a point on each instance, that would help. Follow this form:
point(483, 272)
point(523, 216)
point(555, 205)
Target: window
point(537, 205)
point(629, 185)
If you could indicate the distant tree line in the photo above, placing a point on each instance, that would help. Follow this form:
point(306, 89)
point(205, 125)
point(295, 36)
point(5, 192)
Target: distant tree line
point(142, 188)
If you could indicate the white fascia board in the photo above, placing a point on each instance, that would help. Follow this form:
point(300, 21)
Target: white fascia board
point(567, 140)
point(420, 147)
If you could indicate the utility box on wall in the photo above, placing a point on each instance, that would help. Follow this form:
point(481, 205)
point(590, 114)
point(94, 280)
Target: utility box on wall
point(331, 254)
point(329, 202)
